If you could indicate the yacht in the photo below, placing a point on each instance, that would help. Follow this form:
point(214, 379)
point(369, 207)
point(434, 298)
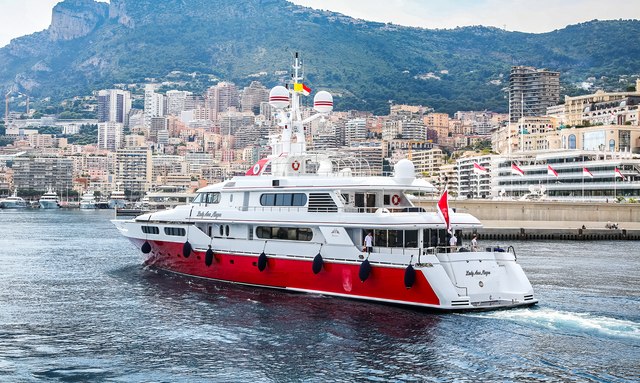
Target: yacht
point(49, 200)
point(88, 201)
point(118, 200)
point(297, 222)
point(166, 197)
point(13, 202)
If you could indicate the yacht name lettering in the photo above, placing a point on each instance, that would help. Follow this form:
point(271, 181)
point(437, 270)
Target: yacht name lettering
point(203, 214)
point(471, 273)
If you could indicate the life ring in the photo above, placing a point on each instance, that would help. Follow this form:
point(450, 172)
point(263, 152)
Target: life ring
point(395, 199)
point(295, 165)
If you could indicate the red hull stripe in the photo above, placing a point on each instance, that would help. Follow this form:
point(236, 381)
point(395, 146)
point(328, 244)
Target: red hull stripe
point(383, 284)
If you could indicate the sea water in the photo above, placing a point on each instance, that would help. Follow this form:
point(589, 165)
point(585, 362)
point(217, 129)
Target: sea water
point(78, 305)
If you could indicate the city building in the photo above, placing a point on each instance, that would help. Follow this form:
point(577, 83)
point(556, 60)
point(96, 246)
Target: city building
point(176, 102)
point(133, 170)
point(355, 130)
point(473, 182)
point(532, 91)
point(154, 104)
point(114, 105)
point(220, 98)
point(253, 96)
point(110, 135)
point(40, 172)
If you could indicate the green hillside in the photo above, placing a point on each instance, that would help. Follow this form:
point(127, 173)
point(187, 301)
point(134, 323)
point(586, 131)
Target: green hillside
point(365, 64)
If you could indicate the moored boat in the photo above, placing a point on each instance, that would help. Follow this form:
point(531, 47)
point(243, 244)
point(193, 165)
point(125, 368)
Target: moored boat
point(13, 202)
point(88, 201)
point(296, 221)
point(49, 200)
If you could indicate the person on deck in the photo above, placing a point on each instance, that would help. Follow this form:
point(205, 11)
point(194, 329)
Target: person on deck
point(453, 242)
point(368, 243)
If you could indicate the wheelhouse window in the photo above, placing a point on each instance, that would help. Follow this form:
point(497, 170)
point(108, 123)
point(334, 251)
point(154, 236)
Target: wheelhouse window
point(283, 199)
point(286, 233)
point(177, 231)
point(207, 198)
point(150, 230)
point(394, 238)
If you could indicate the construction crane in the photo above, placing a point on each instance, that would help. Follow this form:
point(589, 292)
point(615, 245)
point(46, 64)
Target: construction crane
point(6, 104)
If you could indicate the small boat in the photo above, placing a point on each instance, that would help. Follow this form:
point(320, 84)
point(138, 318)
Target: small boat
point(49, 200)
point(13, 202)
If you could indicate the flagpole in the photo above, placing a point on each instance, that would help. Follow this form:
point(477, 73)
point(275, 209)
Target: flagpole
point(615, 185)
point(583, 184)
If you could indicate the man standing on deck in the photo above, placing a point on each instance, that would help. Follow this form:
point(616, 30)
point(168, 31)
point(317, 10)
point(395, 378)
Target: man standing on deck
point(368, 243)
point(453, 242)
point(474, 242)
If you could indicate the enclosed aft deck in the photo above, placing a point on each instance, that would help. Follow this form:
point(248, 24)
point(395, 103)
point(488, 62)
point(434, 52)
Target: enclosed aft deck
point(296, 221)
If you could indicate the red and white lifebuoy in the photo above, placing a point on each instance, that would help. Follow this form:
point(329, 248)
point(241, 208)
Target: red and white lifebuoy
point(395, 199)
point(295, 165)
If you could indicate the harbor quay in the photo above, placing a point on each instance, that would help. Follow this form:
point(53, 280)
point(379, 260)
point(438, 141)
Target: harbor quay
point(553, 220)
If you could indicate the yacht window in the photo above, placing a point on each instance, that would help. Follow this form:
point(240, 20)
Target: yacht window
point(213, 198)
point(283, 199)
point(286, 233)
point(199, 198)
point(150, 230)
point(177, 231)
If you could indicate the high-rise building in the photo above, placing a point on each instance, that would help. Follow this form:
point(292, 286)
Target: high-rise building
point(252, 96)
point(355, 130)
point(114, 105)
point(221, 97)
point(133, 170)
point(532, 91)
point(153, 104)
point(176, 102)
point(110, 135)
point(158, 125)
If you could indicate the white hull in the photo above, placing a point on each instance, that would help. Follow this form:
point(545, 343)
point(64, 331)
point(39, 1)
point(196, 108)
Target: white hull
point(49, 204)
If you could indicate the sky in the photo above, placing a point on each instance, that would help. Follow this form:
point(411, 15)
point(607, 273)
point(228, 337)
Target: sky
point(23, 17)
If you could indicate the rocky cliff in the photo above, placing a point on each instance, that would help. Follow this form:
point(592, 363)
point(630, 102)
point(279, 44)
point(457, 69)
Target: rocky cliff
point(76, 18)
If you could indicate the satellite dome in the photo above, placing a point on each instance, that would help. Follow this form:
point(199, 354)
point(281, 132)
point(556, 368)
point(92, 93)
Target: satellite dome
point(323, 102)
point(279, 97)
point(404, 171)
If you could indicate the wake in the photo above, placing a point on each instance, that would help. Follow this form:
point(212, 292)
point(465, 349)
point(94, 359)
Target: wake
point(571, 322)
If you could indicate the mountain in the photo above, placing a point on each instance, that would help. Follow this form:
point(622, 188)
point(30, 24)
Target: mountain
point(92, 45)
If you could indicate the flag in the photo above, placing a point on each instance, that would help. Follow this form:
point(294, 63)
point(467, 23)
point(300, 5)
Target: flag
point(618, 173)
point(586, 173)
point(551, 171)
point(301, 88)
point(443, 209)
point(478, 169)
point(516, 170)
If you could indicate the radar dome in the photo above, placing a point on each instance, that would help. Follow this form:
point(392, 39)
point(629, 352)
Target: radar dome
point(323, 102)
point(279, 97)
point(404, 171)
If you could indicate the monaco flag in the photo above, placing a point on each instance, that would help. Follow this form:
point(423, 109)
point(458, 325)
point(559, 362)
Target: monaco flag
point(551, 171)
point(586, 173)
point(443, 209)
point(479, 169)
point(516, 170)
point(618, 173)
